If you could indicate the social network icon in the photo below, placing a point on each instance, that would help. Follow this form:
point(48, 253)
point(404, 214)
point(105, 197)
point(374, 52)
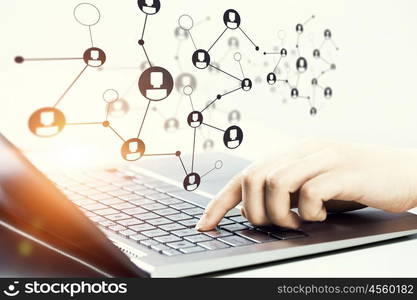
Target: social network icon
point(134, 147)
point(157, 79)
point(47, 118)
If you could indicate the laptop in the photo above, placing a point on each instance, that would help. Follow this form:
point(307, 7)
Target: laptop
point(136, 219)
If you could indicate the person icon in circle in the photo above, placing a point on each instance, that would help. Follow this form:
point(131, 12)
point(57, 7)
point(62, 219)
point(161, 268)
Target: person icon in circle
point(195, 119)
point(149, 7)
point(233, 137)
point(231, 19)
point(191, 182)
point(271, 78)
point(133, 149)
point(201, 59)
point(46, 122)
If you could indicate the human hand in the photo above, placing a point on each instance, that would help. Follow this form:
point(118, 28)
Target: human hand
point(310, 176)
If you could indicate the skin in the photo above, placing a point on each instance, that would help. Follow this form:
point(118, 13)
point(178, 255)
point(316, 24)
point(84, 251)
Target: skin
point(318, 177)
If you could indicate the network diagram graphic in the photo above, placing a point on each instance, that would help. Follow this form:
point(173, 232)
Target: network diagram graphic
point(201, 59)
point(293, 76)
point(186, 79)
point(155, 84)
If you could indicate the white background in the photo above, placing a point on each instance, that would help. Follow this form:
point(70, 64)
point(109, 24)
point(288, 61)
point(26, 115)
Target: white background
point(374, 84)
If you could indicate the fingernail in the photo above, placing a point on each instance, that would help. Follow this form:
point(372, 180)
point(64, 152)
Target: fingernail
point(201, 223)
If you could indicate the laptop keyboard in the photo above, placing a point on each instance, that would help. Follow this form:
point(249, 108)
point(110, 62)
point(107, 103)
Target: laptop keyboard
point(147, 211)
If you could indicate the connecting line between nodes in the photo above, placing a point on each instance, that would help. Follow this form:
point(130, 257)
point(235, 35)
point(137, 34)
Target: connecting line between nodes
point(91, 36)
point(52, 58)
point(192, 161)
point(208, 172)
point(70, 86)
point(142, 42)
point(220, 70)
point(144, 117)
point(214, 127)
point(219, 97)
point(256, 47)
point(217, 39)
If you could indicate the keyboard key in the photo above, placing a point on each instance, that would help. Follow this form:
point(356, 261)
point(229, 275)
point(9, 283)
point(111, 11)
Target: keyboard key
point(154, 233)
point(248, 224)
point(130, 197)
point(157, 196)
point(145, 192)
point(235, 241)
point(97, 219)
point(179, 217)
point(148, 243)
point(239, 219)
point(154, 206)
point(198, 238)
point(225, 222)
point(172, 226)
point(123, 205)
point(170, 201)
point(184, 232)
point(233, 213)
point(107, 188)
point(167, 188)
point(256, 236)
point(117, 228)
point(159, 247)
point(141, 227)
point(117, 217)
point(234, 227)
point(141, 201)
point(193, 211)
point(166, 211)
point(138, 237)
point(147, 216)
point(101, 196)
point(129, 222)
point(105, 212)
point(134, 188)
point(189, 223)
point(127, 232)
point(93, 207)
point(282, 233)
point(192, 250)
point(181, 206)
point(159, 221)
point(217, 233)
point(110, 201)
point(167, 239)
point(119, 192)
point(181, 245)
point(134, 211)
point(85, 201)
point(213, 245)
point(107, 223)
point(171, 252)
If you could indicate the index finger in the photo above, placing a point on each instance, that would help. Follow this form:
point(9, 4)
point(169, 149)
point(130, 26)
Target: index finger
point(228, 198)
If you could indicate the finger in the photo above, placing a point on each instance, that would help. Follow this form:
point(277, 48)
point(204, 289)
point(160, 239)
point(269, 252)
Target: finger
point(227, 199)
point(253, 195)
point(254, 178)
point(315, 192)
point(286, 180)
